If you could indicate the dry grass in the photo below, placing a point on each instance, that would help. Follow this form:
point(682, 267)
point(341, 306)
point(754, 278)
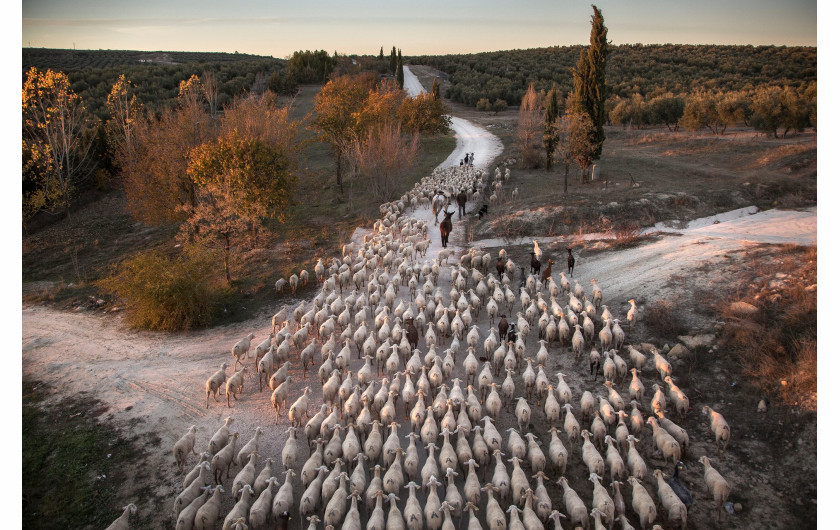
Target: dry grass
point(777, 346)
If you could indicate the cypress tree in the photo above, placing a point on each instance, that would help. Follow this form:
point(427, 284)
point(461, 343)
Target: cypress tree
point(392, 66)
point(590, 80)
point(400, 74)
point(381, 54)
point(551, 132)
point(435, 90)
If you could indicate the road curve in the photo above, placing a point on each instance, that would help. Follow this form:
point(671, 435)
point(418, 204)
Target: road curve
point(470, 137)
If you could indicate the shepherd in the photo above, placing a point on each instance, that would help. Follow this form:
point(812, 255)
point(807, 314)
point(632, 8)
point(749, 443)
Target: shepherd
point(461, 199)
point(446, 227)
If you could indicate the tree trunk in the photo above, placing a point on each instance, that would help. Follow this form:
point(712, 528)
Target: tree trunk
point(227, 258)
point(338, 173)
point(566, 180)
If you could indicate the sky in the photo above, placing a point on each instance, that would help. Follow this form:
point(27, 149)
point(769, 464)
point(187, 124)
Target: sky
point(278, 27)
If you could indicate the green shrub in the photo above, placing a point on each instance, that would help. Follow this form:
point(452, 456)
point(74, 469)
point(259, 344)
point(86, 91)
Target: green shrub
point(164, 293)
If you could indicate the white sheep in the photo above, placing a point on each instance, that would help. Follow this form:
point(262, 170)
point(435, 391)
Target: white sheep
point(240, 349)
point(186, 518)
point(214, 383)
point(300, 408)
point(719, 426)
point(238, 515)
point(252, 446)
point(207, 516)
point(121, 522)
point(675, 510)
point(222, 460)
point(220, 437)
point(642, 503)
point(235, 384)
point(260, 511)
point(716, 484)
point(194, 489)
point(183, 446)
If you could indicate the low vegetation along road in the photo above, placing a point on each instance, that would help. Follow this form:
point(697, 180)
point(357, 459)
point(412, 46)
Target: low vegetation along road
point(154, 382)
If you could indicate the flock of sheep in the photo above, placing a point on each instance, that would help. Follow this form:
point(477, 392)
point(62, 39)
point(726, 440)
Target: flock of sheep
point(390, 433)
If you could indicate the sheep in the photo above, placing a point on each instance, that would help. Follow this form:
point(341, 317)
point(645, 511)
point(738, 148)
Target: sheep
point(235, 384)
point(679, 434)
point(675, 510)
point(266, 473)
point(637, 422)
point(642, 503)
point(246, 475)
point(193, 490)
point(557, 452)
point(284, 499)
point(657, 403)
point(618, 498)
point(634, 460)
point(214, 383)
point(310, 500)
point(223, 459)
point(220, 438)
point(523, 414)
point(719, 426)
point(412, 513)
point(637, 389)
point(716, 484)
point(260, 511)
point(632, 313)
point(637, 358)
point(601, 499)
point(252, 446)
point(204, 457)
point(574, 505)
point(591, 456)
point(207, 516)
point(186, 518)
point(121, 522)
point(678, 398)
point(240, 349)
point(518, 482)
point(289, 454)
point(279, 398)
point(300, 408)
point(183, 446)
point(240, 510)
point(571, 425)
point(666, 443)
point(614, 459)
point(494, 516)
point(662, 365)
point(431, 512)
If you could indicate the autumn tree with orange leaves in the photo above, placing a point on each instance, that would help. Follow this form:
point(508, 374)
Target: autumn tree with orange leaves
point(58, 134)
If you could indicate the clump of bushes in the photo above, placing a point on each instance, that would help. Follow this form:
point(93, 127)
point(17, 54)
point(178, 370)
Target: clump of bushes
point(166, 293)
point(663, 320)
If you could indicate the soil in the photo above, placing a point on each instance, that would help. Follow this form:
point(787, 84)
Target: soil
point(152, 384)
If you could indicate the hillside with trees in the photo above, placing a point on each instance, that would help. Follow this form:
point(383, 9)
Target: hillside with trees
point(646, 69)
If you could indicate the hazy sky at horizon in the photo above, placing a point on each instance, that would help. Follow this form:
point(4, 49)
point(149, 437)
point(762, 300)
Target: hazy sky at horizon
point(278, 28)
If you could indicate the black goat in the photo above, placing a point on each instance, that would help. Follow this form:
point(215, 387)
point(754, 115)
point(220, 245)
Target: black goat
point(571, 262)
point(535, 264)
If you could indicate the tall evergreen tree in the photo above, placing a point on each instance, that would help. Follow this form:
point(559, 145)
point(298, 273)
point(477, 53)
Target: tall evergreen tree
point(435, 90)
point(381, 53)
point(392, 66)
point(551, 133)
point(590, 80)
point(400, 74)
